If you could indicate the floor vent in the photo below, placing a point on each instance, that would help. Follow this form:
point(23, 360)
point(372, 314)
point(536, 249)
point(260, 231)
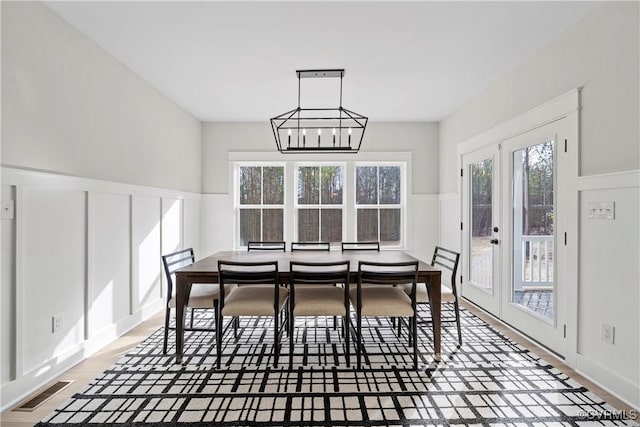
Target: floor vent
point(42, 397)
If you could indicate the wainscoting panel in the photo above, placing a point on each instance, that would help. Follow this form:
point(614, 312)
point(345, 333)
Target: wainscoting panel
point(109, 298)
point(86, 253)
point(145, 247)
point(53, 271)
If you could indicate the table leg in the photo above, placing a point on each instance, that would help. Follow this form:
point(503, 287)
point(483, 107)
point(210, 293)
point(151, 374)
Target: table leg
point(435, 312)
point(182, 296)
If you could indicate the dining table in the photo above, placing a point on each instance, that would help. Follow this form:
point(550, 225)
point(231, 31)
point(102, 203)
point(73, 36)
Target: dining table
point(205, 270)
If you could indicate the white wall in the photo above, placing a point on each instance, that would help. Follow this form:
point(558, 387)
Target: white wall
point(105, 174)
point(600, 54)
point(71, 108)
point(89, 250)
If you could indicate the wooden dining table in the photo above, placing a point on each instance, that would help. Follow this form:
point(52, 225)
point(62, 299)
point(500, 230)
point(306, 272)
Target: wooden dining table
point(206, 271)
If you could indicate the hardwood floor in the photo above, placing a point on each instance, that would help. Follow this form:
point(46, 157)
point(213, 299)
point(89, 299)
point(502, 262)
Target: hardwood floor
point(84, 372)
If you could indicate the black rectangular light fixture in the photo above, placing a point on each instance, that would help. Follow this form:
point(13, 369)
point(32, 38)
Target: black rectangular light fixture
point(321, 130)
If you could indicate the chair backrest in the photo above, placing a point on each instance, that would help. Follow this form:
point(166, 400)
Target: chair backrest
point(175, 261)
point(319, 273)
point(448, 260)
point(266, 246)
point(388, 273)
point(248, 273)
point(310, 246)
point(360, 246)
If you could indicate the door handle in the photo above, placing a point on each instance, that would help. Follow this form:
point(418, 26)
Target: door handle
point(494, 241)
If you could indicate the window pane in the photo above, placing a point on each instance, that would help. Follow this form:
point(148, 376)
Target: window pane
point(272, 229)
point(250, 178)
point(308, 185)
point(331, 177)
point(367, 225)
point(273, 185)
point(390, 185)
point(390, 226)
point(331, 230)
point(308, 221)
point(249, 225)
point(367, 185)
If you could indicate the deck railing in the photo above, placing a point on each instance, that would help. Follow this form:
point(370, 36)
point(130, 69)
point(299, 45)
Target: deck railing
point(535, 268)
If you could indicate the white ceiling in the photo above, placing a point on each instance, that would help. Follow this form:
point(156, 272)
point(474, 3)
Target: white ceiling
point(404, 61)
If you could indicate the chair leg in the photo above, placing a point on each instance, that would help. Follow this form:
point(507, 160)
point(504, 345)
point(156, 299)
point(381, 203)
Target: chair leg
point(345, 330)
point(414, 332)
point(215, 314)
point(220, 318)
point(167, 314)
point(291, 326)
point(359, 340)
point(276, 340)
point(192, 311)
point(236, 323)
point(457, 309)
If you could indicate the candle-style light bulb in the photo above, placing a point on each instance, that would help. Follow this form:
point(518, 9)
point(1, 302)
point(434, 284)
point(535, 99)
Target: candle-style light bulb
point(349, 137)
point(334, 137)
point(304, 137)
point(289, 137)
point(319, 133)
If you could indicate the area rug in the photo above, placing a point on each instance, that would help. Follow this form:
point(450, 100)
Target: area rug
point(489, 380)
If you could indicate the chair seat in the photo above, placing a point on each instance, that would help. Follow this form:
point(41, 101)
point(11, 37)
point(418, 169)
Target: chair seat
point(253, 301)
point(319, 301)
point(202, 295)
point(446, 294)
point(383, 301)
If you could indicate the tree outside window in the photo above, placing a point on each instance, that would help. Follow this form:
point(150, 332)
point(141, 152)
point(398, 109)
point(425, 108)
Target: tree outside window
point(320, 203)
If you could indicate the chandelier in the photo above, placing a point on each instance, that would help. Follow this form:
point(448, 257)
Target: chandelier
point(337, 130)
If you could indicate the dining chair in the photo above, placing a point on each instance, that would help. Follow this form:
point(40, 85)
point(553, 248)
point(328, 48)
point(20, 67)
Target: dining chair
point(310, 246)
point(266, 246)
point(378, 294)
point(319, 289)
point(360, 246)
point(201, 296)
point(448, 260)
point(258, 293)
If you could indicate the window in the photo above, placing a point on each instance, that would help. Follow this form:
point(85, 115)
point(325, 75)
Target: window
point(378, 204)
point(261, 203)
point(319, 203)
point(313, 200)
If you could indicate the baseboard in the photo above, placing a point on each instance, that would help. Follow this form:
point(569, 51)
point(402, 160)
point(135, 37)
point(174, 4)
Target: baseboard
point(608, 380)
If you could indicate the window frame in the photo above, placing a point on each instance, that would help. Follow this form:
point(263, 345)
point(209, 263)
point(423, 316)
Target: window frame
point(262, 206)
point(343, 206)
point(378, 206)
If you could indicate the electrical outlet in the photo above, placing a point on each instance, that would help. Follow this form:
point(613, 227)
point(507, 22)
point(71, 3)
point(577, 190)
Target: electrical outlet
point(57, 322)
point(608, 333)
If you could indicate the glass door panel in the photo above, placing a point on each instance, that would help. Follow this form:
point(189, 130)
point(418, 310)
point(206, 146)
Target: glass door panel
point(481, 217)
point(533, 242)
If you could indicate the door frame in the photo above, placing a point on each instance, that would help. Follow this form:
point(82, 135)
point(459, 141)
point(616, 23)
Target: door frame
point(565, 106)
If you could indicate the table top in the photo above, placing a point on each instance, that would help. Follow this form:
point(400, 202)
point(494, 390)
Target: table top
point(210, 264)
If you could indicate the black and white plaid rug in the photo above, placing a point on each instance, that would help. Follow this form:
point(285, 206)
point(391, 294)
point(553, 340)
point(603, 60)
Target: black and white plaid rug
point(489, 380)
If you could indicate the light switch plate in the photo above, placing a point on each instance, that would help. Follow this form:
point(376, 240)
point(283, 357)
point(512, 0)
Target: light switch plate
point(8, 209)
point(601, 210)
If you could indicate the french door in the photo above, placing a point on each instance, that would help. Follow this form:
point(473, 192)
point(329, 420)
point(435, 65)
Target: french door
point(511, 217)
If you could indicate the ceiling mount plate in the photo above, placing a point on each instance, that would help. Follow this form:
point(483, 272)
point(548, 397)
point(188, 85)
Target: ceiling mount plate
point(305, 74)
